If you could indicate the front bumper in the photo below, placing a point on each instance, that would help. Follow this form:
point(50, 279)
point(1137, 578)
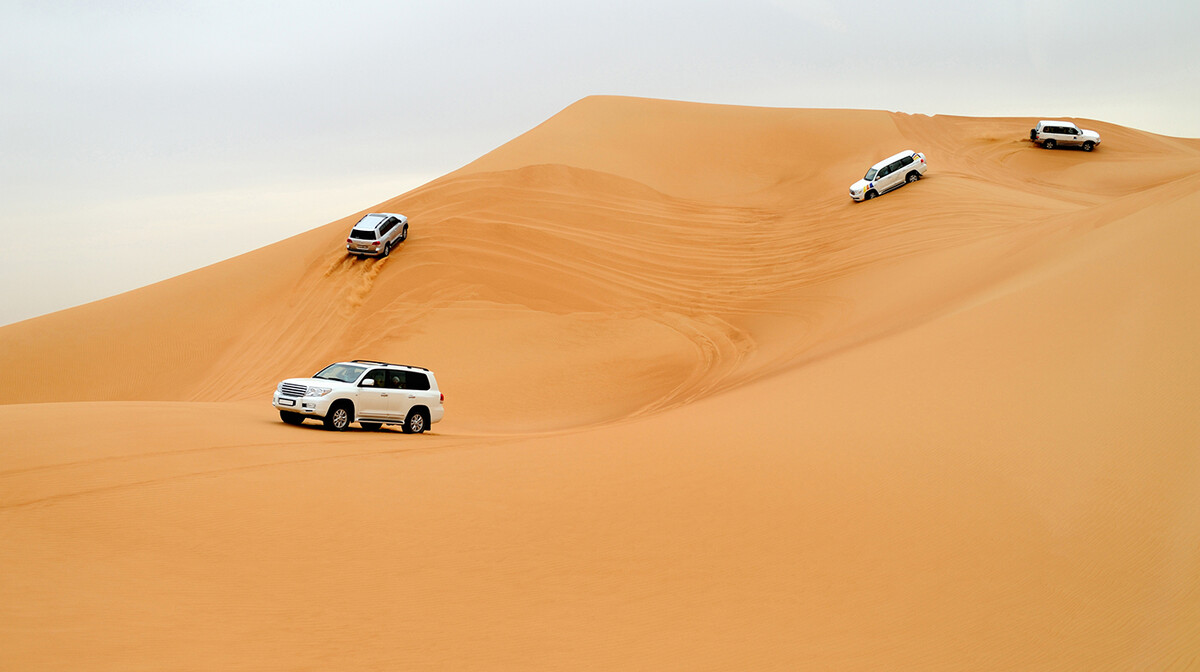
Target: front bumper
point(315, 407)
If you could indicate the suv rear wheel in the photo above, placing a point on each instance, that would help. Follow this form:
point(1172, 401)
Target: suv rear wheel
point(339, 417)
point(912, 177)
point(1049, 144)
point(415, 423)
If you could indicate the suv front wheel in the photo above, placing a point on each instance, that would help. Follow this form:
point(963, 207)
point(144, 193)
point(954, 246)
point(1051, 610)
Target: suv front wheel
point(339, 417)
point(291, 417)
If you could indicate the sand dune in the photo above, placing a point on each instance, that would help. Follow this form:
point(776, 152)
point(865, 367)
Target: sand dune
point(703, 412)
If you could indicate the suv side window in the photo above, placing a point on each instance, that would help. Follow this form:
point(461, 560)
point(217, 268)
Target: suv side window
point(905, 161)
point(378, 375)
point(387, 226)
point(415, 381)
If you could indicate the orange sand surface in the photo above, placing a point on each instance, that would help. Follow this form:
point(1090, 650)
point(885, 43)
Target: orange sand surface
point(702, 413)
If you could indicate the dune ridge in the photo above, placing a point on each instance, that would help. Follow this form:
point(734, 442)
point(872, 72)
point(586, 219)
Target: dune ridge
point(703, 412)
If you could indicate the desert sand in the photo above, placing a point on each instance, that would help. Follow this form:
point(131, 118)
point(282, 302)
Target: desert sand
point(702, 413)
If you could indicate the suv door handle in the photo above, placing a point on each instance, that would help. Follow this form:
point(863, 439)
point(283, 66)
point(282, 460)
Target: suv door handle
point(412, 396)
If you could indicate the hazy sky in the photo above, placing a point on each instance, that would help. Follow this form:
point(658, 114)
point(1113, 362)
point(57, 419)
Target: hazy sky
point(142, 139)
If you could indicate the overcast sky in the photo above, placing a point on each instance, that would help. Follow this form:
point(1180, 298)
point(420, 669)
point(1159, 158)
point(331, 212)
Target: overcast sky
point(142, 139)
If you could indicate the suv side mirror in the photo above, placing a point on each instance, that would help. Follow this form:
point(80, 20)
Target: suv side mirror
point(369, 382)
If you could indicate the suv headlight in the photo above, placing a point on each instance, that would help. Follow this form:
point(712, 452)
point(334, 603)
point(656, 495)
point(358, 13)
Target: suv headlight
point(319, 391)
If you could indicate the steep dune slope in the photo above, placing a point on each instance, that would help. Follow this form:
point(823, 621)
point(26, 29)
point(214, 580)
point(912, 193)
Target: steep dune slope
point(625, 256)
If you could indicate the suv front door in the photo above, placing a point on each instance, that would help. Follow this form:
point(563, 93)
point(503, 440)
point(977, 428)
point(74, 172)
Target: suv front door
point(375, 400)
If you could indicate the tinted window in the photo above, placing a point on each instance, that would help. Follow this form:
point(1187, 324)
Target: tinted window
point(359, 234)
point(894, 166)
point(906, 160)
point(395, 380)
point(387, 226)
point(415, 381)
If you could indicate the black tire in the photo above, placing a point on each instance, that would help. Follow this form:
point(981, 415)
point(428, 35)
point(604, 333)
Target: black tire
point(912, 177)
point(1088, 146)
point(370, 426)
point(870, 195)
point(404, 233)
point(416, 422)
point(339, 417)
point(1049, 144)
point(387, 249)
point(291, 417)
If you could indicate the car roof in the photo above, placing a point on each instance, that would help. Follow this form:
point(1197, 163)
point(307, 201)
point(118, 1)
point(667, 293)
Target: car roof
point(370, 225)
point(1051, 122)
point(372, 362)
point(881, 164)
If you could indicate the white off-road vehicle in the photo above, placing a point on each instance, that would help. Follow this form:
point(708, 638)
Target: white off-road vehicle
point(376, 234)
point(370, 393)
point(895, 171)
point(1051, 134)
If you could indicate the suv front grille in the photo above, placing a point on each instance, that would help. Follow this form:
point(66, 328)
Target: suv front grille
point(293, 390)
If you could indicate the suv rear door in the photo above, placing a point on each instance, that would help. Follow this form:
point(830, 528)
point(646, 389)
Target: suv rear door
point(416, 392)
point(362, 239)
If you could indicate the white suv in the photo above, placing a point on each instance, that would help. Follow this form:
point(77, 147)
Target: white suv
point(895, 171)
point(1051, 134)
point(376, 234)
point(370, 393)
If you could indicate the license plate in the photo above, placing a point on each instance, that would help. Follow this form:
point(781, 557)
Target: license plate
point(287, 402)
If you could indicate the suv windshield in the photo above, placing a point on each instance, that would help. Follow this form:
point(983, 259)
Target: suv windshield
point(870, 174)
point(346, 373)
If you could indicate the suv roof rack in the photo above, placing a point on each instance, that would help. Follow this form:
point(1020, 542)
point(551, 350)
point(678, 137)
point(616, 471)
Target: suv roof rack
point(373, 361)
